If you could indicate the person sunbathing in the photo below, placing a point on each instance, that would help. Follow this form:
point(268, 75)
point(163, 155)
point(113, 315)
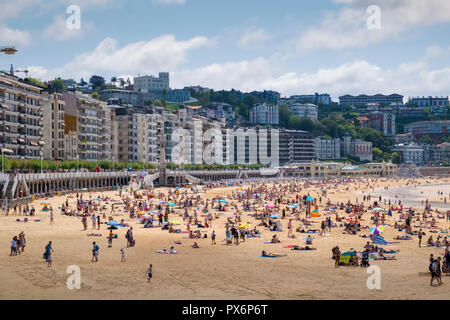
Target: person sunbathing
point(306, 248)
point(381, 256)
point(195, 245)
point(172, 250)
point(275, 239)
point(430, 241)
point(266, 254)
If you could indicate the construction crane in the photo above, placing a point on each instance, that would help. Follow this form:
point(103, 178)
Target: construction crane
point(8, 50)
point(12, 71)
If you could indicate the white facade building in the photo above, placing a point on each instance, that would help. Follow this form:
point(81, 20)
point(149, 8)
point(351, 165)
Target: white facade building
point(410, 153)
point(306, 110)
point(264, 114)
point(328, 149)
point(151, 83)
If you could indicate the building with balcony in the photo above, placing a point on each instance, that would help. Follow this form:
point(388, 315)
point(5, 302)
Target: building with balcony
point(304, 110)
point(364, 99)
point(21, 118)
point(53, 126)
point(264, 114)
point(92, 121)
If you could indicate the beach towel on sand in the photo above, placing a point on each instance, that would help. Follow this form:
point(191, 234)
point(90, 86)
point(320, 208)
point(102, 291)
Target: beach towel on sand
point(267, 257)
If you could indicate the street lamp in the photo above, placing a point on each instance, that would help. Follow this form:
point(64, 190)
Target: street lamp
point(78, 157)
point(40, 153)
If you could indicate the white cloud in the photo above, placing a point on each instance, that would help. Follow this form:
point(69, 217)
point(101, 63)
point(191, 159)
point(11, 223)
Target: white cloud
point(58, 30)
point(161, 53)
point(253, 37)
point(348, 26)
point(14, 37)
point(355, 77)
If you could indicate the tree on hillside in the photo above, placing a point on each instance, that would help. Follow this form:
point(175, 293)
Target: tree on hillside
point(58, 85)
point(396, 158)
point(98, 82)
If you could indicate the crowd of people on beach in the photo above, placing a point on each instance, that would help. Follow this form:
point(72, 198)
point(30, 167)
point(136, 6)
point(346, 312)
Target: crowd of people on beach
point(279, 207)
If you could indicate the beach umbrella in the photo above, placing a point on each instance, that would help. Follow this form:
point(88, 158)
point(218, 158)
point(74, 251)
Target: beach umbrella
point(275, 216)
point(223, 201)
point(245, 225)
point(376, 230)
point(112, 223)
point(176, 222)
point(140, 212)
point(146, 216)
point(377, 209)
point(45, 203)
point(269, 206)
point(171, 204)
point(310, 199)
point(97, 199)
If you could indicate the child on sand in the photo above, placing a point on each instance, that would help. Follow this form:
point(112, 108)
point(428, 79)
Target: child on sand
point(150, 272)
point(122, 253)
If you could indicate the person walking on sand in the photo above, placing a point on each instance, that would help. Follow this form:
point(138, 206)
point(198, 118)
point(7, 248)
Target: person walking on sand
point(150, 272)
point(48, 250)
point(84, 221)
point(110, 237)
point(14, 249)
point(420, 234)
point(122, 253)
point(289, 228)
point(213, 237)
point(95, 249)
point(22, 241)
point(52, 218)
point(94, 221)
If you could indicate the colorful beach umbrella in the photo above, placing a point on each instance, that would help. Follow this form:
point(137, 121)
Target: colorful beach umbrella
point(245, 225)
point(171, 204)
point(376, 230)
point(45, 203)
point(223, 201)
point(176, 222)
point(310, 199)
point(275, 216)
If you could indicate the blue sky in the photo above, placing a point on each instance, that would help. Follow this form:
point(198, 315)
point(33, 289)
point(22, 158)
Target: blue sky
point(292, 46)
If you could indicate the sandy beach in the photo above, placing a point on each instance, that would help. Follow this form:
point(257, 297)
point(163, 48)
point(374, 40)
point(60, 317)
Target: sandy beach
point(220, 271)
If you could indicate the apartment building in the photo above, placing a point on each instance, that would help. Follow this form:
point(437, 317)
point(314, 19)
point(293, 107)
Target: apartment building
point(410, 153)
point(92, 121)
point(304, 110)
point(437, 105)
point(383, 121)
point(53, 126)
point(21, 118)
point(328, 149)
point(296, 146)
point(364, 99)
point(264, 114)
